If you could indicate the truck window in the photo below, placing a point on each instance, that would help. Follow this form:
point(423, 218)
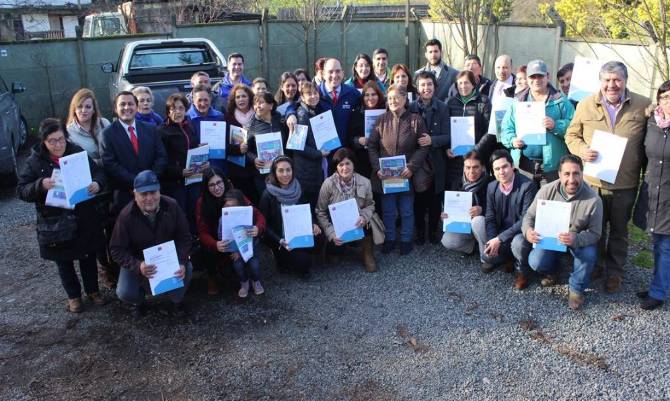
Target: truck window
point(169, 57)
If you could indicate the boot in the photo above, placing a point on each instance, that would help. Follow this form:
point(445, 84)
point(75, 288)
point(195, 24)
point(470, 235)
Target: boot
point(368, 254)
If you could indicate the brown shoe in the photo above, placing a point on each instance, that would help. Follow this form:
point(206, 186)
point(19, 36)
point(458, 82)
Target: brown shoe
point(74, 305)
point(97, 299)
point(548, 281)
point(508, 267)
point(368, 254)
point(521, 281)
point(596, 274)
point(575, 300)
point(212, 286)
point(612, 284)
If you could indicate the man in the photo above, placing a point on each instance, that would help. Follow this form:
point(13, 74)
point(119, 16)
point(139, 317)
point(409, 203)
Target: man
point(582, 238)
point(338, 97)
point(128, 147)
point(507, 200)
point(235, 76)
point(202, 78)
point(150, 220)
point(445, 75)
point(504, 77)
point(618, 111)
point(474, 64)
point(380, 59)
point(564, 76)
point(475, 180)
point(435, 115)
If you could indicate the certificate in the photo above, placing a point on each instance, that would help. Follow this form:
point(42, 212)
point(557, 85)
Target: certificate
point(56, 196)
point(528, 118)
point(462, 135)
point(610, 150)
point(297, 222)
point(164, 257)
point(551, 219)
point(325, 133)
point(232, 217)
point(391, 168)
point(297, 138)
point(243, 242)
point(76, 174)
point(238, 136)
point(268, 147)
point(344, 216)
point(370, 119)
point(213, 133)
point(585, 78)
point(457, 205)
point(195, 159)
point(498, 110)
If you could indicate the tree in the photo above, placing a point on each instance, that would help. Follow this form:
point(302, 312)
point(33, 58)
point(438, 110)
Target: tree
point(206, 11)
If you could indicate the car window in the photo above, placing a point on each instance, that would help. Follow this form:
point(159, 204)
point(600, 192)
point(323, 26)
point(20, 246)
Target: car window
point(170, 57)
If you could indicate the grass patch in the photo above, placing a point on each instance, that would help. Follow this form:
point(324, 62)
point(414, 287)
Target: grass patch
point(644, 259)
point(637, 236)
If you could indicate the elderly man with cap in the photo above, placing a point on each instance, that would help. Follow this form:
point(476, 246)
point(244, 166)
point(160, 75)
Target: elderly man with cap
point(149, 220)
point(539, 162)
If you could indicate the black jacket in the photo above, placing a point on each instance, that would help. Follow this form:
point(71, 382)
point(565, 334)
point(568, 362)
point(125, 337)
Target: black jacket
point(29, 188)
point(657, 177)
point(257, 127)
point(436, 117)
point(307, 162)
point(357, 130)
point(274, 224)
point(520, 199)
point(177, 140)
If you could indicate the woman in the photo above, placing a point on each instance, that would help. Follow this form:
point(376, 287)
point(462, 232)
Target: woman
point(287, 94)
point(362, 73)
point(260, 86)
point(400, 75)
point(469, 103)
point(302, 76)
point(265, 120)
point(308, 161)
point(397, 133)
point(520, 84)
point(283, 189)
point(657, 179)
point(64, 235)
point(145, 104)
point(178, 137)
point(318, 71)
point(215, 185)
point(239, 114)
point(345, 184)
point(85, 124)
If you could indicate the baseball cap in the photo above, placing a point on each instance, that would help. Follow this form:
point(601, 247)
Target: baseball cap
point(536, 67)
point(146, 181)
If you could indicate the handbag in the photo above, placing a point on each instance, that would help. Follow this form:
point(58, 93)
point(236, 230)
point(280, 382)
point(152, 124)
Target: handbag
point(377, 227)
point(53, 231)
point(423, 176)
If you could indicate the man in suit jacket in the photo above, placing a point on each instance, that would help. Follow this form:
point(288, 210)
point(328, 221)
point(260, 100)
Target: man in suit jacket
point(128, 147)
point(446, 76)
point(504, 77)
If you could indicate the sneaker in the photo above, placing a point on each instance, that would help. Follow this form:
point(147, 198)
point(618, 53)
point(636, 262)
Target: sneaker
point(244, 289)
point(388, 247)
point(97, 299)
point(405, 248)
point(548, 281)
point(74, 305)
point(258, 288)
point(575, 300)
point(650, 303)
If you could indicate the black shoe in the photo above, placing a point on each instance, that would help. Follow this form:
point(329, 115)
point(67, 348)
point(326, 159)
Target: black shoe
point(304, 275)
point(434, 238)
point(420, 238)
point(178, 310)
point(405, 248)
point(388, 247)
point(650, 303)
point(138, 311)
point(488, 268)
point(642, 294)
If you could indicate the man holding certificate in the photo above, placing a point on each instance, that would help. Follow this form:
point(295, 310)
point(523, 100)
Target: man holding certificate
point(580, 235)
point(150, 220)
point(534, 133)
point(616, 110)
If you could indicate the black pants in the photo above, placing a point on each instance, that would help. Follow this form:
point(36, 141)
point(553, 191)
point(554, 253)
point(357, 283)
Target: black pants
point(297, 260)
point(427, 201)
point(89, 275)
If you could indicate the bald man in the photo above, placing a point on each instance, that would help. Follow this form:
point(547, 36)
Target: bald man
point(504, 77)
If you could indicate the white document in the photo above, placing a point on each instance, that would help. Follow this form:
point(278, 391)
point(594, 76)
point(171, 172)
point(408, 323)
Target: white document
point(462, 135)
point(232, 217)
point(551, 219)
point(457, 205)
point(498, 110)
point(344, 216)
point(370, 118)
point(238, 136)
point(324, 131)
point(268, 147)
point(213, 133)
point(610, 150)
point(56, 196)
point(76, 174)
point(244, 243)
point(195, 159)
point(528, 118)
point(164, 257)
point(585, 78)
point(297, 221)
point(297, 138)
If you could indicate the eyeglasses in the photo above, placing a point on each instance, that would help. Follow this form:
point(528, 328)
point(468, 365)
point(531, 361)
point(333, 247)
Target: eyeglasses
point(56, 141)
point(216, 184)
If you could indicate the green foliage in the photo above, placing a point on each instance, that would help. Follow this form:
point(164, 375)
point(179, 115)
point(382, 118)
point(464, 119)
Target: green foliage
point(644, 259)
point(481, 11)
point(274, 5)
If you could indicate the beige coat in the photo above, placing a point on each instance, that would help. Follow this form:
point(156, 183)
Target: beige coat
point(330, 193)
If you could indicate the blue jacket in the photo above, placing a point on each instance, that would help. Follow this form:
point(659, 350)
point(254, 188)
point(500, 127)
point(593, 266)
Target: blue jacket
point(152, 118)
point(505, 222)
point(195, 117)
point(347, 100)
point(379, 83)
point(225, 86)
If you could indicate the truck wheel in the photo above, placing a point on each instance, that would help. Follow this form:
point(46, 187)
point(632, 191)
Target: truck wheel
point(23, 131)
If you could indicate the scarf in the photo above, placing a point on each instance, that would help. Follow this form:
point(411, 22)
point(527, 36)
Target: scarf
point(244, 118)
point(661, 121)
point(347, 188)
point(466, 99)
point(286, 196)
point(476, 186)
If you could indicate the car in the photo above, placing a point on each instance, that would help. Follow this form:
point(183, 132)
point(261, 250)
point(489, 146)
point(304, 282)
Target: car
point(13, 131)
point(165, 66)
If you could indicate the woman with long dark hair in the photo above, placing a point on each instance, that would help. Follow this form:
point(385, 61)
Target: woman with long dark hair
point(362, 73)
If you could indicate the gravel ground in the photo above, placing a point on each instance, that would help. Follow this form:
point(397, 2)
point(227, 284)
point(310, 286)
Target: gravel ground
point(429, 326)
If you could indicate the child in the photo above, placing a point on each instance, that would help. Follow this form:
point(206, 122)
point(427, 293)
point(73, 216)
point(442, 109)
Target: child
point(145, 103)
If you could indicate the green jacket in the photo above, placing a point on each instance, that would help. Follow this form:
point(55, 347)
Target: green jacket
point(559, 108)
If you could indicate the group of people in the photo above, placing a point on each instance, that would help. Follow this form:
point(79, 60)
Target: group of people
point(139, 174)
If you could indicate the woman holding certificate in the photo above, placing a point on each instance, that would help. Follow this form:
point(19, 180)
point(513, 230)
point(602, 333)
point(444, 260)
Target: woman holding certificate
point(284, 190)
point(64, 233)
point(238, 115)
point(396, 137)
point(345, 185)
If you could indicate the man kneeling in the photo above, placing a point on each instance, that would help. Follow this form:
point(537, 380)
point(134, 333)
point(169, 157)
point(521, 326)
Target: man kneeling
point(585, 228)
point(149, 220)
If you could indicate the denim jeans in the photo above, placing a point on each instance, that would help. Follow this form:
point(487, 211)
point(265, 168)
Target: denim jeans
point(89, 276)
point(401, 202)
point(133, 287)
point(660, 284)
point(517, 249)
point(545, 262)
point(466, 242)
point(254, 269)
